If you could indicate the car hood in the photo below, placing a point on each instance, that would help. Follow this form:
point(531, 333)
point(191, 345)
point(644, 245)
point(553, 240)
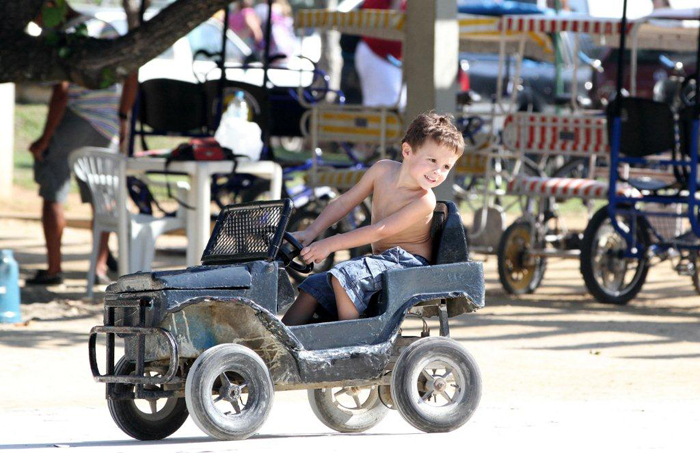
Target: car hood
point(234, 276)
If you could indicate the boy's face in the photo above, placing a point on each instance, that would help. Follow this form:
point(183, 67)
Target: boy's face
point(429, 164)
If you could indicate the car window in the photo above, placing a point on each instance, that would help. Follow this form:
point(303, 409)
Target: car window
point(168, 54)
point(207, 37)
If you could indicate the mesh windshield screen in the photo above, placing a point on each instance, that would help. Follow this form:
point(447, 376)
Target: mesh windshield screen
point(248, 231)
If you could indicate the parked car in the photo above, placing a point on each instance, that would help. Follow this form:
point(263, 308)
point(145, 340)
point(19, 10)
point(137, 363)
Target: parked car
point(652, 67)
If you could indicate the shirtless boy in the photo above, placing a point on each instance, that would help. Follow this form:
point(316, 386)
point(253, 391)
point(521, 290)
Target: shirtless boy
point(402, 209)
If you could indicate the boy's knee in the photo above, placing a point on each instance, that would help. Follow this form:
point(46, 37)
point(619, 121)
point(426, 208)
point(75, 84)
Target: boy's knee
point(335, 283)
point(306, 296)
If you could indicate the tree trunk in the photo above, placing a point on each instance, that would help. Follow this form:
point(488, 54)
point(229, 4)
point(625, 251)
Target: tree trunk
point(90, 62)
point(331, 60)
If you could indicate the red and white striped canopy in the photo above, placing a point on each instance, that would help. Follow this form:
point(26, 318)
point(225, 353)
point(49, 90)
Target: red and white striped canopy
point(548, 24)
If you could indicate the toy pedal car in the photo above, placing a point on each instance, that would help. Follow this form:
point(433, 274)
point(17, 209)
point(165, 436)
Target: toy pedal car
point(205, 340)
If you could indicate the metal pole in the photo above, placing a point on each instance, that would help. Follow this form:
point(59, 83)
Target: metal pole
point(621, 59)
point(558, 81)
point(696, 112)
point(222, 77)
point(268, 35)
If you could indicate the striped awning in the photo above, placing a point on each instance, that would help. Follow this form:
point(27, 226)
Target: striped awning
point(377, 23)
point(549, 24)
point(484, 34)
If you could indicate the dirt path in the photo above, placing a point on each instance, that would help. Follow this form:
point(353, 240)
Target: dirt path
point(552, 362)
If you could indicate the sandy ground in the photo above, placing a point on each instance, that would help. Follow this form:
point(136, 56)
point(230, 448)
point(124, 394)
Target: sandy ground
point(560, 372)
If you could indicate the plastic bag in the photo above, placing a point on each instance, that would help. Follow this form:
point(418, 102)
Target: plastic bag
point(241, 136)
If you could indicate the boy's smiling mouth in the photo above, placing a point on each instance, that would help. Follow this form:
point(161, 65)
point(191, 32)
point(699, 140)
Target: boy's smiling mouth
point(431, 180)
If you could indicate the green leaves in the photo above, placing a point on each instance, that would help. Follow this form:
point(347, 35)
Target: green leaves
point(54, 14)
point(108, 78)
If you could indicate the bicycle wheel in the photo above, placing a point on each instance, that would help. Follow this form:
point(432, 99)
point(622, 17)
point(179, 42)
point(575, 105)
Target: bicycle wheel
point(611, 277)
point(519, 272)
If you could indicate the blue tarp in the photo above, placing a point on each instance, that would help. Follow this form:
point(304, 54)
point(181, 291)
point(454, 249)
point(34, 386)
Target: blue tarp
point(494, 8)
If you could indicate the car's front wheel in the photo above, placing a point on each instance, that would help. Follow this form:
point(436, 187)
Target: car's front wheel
point(229, 392)
point(151, 419)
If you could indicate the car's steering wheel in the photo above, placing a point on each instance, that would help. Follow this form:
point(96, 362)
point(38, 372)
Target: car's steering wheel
point(289, 255)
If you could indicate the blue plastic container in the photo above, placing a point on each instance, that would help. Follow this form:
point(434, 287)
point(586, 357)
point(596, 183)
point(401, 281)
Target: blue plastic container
point(9, 288)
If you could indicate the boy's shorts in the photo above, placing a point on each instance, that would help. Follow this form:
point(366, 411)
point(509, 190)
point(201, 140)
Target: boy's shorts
point(360, 277)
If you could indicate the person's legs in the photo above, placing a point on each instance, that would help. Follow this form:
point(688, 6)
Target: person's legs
point(346, 309)
point(102, 254)
point(54, 221)
point(103, 251)
point(380, 80)
point(301, 311)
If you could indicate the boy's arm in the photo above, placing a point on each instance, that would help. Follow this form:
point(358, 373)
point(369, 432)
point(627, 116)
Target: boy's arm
point(410, 214)
point(339, 208)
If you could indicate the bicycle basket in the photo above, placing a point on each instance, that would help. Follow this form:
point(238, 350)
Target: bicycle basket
point(248, 231)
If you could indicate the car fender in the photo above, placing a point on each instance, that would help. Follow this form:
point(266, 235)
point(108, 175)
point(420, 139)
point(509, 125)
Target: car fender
point(203, 322)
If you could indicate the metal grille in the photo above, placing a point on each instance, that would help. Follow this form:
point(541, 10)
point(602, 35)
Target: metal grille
point(664, 223)
point(248, 231)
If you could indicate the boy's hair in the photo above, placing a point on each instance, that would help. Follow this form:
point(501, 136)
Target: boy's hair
point(438, 128)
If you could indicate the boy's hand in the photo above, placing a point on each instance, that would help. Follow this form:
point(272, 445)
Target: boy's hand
point(304, 237)
point(316, 252)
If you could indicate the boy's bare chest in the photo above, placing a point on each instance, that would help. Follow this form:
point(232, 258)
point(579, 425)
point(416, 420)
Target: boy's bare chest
point(387, 199)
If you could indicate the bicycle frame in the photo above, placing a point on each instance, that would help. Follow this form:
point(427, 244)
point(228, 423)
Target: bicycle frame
point(686, 197)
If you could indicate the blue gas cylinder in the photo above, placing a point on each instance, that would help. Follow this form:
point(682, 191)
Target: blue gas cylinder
point(9, 288)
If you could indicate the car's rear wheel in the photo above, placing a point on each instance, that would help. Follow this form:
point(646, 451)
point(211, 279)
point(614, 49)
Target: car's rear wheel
point(348, 409)
point(436, 384)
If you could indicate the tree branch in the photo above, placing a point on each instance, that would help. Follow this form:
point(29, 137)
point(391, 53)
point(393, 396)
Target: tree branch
point(94, 63)
point(17, 14)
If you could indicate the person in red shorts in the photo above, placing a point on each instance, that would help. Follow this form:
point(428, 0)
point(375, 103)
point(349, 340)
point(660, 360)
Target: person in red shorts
point(378, 63)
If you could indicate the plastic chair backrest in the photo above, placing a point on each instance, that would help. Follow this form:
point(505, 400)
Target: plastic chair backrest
point(102, 171)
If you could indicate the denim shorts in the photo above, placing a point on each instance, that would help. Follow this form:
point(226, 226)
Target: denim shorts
point(360, 277)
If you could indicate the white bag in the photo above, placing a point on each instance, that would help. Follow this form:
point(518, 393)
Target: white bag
point(241, 136)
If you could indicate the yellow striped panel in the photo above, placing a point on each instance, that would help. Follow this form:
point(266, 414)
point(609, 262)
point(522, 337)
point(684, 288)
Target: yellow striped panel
point(339, 179)
point(471, 164)
point(358, 126)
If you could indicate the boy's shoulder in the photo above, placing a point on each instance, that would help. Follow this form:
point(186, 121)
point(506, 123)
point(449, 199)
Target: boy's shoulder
point(386, 165)
point(429, 200)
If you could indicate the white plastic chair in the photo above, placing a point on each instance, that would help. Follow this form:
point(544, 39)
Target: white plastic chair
point(104, 172)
